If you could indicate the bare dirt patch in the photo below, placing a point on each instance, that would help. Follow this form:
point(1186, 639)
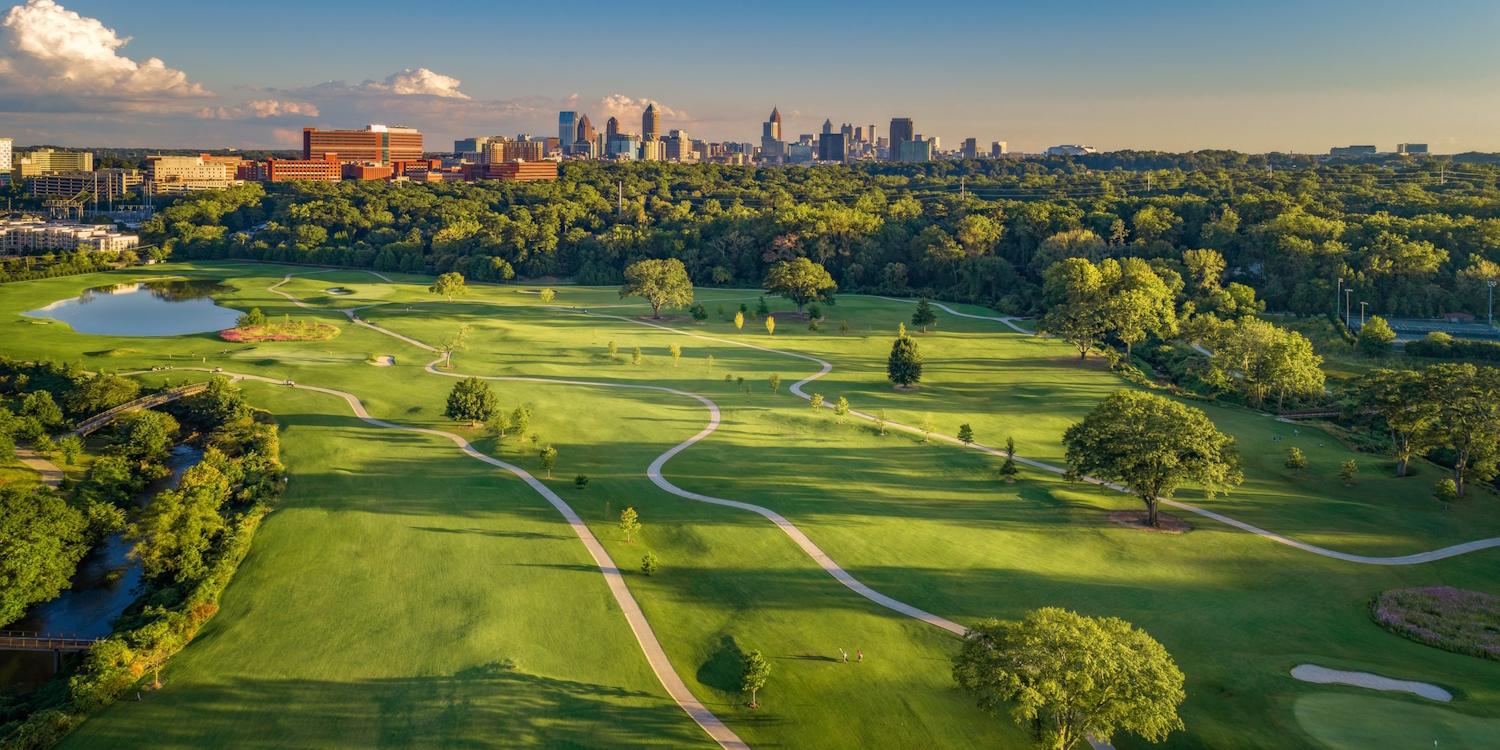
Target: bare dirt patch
point(664, 318)
point(905, 388)
point(1136, 519)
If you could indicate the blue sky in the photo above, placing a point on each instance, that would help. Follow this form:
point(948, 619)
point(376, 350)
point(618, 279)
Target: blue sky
point(1160, 74)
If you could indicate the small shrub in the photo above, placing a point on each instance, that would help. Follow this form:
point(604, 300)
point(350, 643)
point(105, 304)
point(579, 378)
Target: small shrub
point(1295, 459)
point(1348, 470)
point(648, 563)
point(1445, 492)
point(581, 481)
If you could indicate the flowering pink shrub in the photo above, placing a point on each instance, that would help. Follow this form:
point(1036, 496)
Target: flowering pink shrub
point(1464, 622)
point(281, 332)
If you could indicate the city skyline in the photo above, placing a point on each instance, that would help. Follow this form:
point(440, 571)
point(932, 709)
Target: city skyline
point(89, 73)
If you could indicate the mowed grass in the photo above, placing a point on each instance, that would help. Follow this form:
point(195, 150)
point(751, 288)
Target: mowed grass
point(403, 595)
point(928, 524)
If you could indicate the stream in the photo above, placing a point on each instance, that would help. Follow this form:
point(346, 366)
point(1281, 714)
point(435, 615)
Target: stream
point(106, 582)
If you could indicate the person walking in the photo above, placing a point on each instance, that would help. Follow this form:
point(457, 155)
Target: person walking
point(845, 654)
point(860, 655)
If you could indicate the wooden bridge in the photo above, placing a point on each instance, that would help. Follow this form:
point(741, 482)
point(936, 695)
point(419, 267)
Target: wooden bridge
point(145, 402)
point(15, 640)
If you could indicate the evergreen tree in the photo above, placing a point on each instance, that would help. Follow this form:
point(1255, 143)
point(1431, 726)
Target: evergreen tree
point(924, 316)
point(965, 434)
point(904, 367)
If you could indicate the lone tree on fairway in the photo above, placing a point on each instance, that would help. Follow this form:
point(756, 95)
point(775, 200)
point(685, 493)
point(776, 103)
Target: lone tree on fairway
point(817, 401)
point(1295, 459)
point(1008, 470)
point(676, 351)
point(757, 671)
point(635, 356)
point(1375, 337)
point(924, 316)
point(648, 563)
point(521, 420)
point(458, 342)
point(739, 320)
point(775, 383)
point(1348, 470)
point(449, 284)
point(965, 434)
point(661, 282)
point(1075, 297)
point(927, 427)
point(700, 313)
point(904, 367)
point(549, 459)
point(1152, 445)
point(472, 401)
point(771, 325)
point(547, 295)
point(801, 281)
point(629, 522)
point(1070, 677)
point(880, 421)
point(841, 408)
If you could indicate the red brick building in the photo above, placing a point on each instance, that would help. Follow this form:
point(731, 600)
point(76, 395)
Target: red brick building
point(375, 144)
point(519, 171)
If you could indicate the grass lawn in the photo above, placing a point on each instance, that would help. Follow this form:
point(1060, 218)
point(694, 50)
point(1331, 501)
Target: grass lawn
point(406, 595)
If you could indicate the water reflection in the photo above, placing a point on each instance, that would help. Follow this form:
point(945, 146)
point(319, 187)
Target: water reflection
point(152, 308)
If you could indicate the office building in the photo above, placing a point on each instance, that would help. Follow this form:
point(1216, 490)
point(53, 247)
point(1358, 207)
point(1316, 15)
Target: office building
point(679, 147)
point(102, 183)
point(567, 127)
point(376, 144)
point(611, 129)
point(585, 130)
point(833, 147)
point(366, 171)
point(902, 131)
point(181, 174)
point(44, 160)
point(799, 153)
point(999, 149)
point(772, 148)
point(651, 123)
point(515, 171)
point(1411, 148)
point(913, 150)
point(316, 170)
point(623, 148)
point(970, 148)
point(654, 150)
point(1353, 151)
point(6, 146)
point(471, 149)
point(501, 151)
point(827, 127)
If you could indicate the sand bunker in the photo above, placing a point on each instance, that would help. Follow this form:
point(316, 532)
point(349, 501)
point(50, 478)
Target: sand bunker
point(338, 290)
point(1325, 676)
point(384, 360)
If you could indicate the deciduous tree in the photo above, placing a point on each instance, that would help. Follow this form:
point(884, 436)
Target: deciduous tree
point(801, 281)
point(841, 408)
point(754, 675)
point(548, 459)
point(630, 522)
point(1467, 410)
point(1069, 678)
point(1399, 402)
point(676, 351)
point(1151, 445)
point(660, 282)
point(1375, 337)
point(178, 528)
point(449, 284)
point(472, 401)
point(42, 539)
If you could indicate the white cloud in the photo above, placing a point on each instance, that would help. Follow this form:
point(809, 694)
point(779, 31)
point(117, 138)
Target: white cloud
point(52, 58)
point(259, 109)
point(408, 82)
point(629, 110)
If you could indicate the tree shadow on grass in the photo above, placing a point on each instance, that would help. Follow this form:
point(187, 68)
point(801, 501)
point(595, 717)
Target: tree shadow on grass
point(493, 705)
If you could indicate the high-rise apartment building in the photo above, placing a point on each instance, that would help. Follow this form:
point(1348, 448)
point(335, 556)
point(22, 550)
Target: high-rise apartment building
point(376, 144)
point(902, 131)
point(912, 150)
point(651, 123)
point(5, 154)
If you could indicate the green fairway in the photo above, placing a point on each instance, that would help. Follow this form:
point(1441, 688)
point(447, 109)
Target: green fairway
point(407, 595)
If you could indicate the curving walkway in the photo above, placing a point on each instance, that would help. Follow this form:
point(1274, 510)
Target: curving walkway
point(51, 475)
point(1006, 319)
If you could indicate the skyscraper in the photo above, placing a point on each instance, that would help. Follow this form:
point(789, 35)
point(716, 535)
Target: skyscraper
point(772, 128)
point(651, 123)
point(771, 147)
point(901, 132)
point(567, 127)
point(827, 127)
point(970, 149)
point(611, 129)
point(585, 130)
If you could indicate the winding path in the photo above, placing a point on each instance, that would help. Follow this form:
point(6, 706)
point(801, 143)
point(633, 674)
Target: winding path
point(51, 475)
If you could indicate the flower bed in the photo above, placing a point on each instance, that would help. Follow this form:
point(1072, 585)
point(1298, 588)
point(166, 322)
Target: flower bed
point(281, 332)
point(1464, 622)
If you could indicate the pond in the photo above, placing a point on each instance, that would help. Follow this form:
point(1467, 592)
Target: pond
point(152, 308)
point(106, 582)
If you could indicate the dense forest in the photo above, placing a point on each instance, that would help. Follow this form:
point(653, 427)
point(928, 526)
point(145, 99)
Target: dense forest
point(1411, 238)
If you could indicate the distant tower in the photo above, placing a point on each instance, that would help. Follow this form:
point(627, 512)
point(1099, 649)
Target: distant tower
point(772, 127)
point(827, 127)
point(567, 127)
point(651, 123)
point(611, 129)
point(902, 131)
point(585, 130)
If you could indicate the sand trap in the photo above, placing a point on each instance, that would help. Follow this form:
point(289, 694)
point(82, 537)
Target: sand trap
point(384, 361)
point(338, 290)
point(1325, 676)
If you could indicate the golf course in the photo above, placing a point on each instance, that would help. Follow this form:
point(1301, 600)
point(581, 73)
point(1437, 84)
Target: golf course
point(427, 582)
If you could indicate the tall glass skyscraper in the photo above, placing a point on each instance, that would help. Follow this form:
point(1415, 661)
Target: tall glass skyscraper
point(567, 128)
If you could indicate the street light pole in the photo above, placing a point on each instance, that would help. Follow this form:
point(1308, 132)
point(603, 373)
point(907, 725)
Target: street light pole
point(1362, 315)
point(1347, 292)
point(1492, 302)
point(1336, 290)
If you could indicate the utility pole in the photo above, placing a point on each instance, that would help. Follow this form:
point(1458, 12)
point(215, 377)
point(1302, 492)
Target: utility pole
point(1336, 290)
point(1362, 314)
point(1347, 292)
point(963, 191)
point(1443, 174)
point(1149, 180)
point(621, 196)
point(1492, 301)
